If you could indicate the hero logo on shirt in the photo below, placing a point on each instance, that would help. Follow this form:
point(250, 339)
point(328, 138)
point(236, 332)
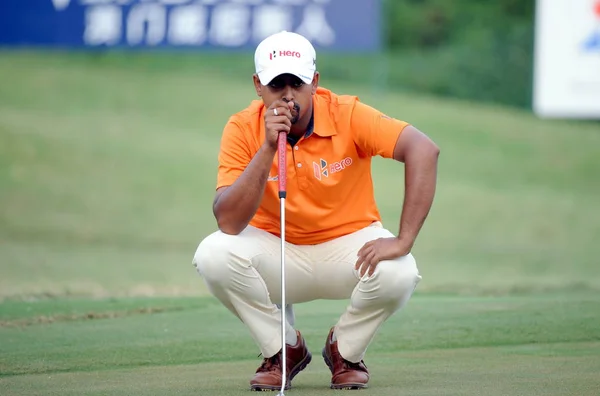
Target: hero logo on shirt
point(274, 54)
point(323, 169)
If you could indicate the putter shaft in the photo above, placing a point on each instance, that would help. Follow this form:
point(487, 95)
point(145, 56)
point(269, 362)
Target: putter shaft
point(282, 148)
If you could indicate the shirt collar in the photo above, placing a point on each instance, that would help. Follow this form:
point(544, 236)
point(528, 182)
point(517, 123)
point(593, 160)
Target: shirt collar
point(311, 125)
point(309, 130)
point(322, 122)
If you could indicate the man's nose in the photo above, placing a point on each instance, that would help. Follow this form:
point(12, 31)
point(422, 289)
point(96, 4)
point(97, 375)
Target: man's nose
point(288, 94)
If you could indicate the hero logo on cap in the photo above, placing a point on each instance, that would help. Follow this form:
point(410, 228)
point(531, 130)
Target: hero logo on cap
point(284, 53)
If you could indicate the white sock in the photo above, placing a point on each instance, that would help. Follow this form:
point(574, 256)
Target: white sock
point(291, 338)
point(333, 337)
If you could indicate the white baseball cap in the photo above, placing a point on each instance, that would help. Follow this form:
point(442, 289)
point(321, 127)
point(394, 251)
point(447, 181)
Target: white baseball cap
point(285, 52)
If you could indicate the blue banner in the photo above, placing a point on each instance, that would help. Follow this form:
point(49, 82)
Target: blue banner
point(346, 25)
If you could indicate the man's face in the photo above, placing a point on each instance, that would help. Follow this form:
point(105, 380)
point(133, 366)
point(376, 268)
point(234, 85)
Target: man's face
point(290, 89)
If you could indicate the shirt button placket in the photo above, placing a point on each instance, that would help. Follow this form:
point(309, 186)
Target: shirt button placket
point(298, 159)
point(302, 184)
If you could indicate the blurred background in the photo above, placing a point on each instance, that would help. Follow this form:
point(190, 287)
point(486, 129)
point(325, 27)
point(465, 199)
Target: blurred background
point(111, 113)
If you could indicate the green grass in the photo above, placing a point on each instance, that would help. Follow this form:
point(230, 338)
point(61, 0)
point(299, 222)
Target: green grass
point(107, 173)
point(545, 344)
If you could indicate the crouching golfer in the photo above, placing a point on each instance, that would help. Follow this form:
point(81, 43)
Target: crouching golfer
point(336, 246)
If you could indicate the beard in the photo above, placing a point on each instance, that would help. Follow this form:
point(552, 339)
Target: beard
point(296, 116)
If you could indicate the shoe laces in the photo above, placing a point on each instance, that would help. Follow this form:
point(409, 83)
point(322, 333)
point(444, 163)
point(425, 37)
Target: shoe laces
point(270, 364)
point(353, 366)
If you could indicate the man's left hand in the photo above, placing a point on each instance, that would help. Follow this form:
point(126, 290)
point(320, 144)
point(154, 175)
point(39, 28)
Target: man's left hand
point(380, 249)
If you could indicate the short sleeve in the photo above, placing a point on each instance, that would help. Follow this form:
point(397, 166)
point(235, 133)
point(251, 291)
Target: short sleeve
point(234, 154)
point(374, 132)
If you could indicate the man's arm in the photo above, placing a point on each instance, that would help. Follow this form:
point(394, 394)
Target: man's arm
point(378, 134)
point(420, 156)
point(235, 205)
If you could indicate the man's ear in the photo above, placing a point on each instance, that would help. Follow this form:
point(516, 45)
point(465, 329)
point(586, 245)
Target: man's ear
point(315, 83)
point(257, 84)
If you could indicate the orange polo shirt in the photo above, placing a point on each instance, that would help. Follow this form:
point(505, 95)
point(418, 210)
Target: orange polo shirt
point(329, 185)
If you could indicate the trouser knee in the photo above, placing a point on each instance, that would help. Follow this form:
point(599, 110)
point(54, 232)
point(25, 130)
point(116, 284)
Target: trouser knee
point(212, 258)
point(398, 279)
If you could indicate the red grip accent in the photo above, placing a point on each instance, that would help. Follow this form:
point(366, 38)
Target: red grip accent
point(282, 166)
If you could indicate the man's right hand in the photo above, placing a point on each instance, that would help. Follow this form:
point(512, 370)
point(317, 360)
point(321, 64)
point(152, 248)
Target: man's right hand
point(277, 119)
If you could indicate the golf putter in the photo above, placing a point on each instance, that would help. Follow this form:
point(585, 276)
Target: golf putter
point(281, 153)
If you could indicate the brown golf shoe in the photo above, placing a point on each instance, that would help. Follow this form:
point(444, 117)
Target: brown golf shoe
point(268, 375)
point(344, 374)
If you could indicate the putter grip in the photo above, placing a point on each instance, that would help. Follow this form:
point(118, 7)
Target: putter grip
point(282, 166)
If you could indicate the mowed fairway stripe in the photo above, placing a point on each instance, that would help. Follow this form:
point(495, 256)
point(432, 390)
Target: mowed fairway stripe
point(542, 369)
point(201, 332)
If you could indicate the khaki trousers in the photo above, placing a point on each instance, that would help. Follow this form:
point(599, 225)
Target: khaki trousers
point(244, 272)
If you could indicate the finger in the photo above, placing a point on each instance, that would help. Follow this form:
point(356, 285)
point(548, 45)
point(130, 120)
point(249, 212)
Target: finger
point(290, 106)
point(359, 261)
point(280, 119)
point(287, 115)
point(278, 103)
point(373, 263)
point(364, 269)
point(358, 264)
point(362, 253)
point(358, 269)
point(372, 269)
point(361, 250)
point(279, 127)
point(284, 111)
point(278, 112)
point(372, 257)
point(364, 248)
point(368, 262)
